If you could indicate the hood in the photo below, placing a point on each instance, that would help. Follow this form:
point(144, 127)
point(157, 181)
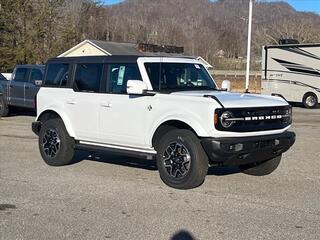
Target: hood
point(238, 100)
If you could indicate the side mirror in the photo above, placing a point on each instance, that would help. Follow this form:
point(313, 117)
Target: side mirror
point(226, 85)
point(38, 82)
point(136, 87)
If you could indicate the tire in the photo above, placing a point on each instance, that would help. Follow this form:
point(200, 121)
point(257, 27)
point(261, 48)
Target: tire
point(310, 100)
point(181, 160)
point(55, 144)
point(4, 109)
point(262, 169)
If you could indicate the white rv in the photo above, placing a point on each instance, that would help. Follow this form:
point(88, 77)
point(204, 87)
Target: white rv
point(292, 71)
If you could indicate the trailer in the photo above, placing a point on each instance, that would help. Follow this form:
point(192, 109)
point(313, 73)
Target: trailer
point(293, 72)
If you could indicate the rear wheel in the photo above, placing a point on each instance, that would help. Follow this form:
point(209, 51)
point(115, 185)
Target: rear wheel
point(262, 169)
point(4, 109)
point(55, 144)
point(181, 160)
point(310, 100)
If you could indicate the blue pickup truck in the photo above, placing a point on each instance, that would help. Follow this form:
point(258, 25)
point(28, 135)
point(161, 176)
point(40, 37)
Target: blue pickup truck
point(22, 89)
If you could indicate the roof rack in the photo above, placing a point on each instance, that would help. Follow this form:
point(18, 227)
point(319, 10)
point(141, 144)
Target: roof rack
point(146, 47)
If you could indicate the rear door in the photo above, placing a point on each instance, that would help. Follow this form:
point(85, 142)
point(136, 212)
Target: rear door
point(82, 103)
point(17, 86)
point(30, 87)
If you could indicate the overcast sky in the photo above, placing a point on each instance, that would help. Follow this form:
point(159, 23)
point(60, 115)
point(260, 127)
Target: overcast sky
point(301, 5)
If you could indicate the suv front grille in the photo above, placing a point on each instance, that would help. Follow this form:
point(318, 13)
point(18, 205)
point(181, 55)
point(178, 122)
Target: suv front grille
point(253, 119)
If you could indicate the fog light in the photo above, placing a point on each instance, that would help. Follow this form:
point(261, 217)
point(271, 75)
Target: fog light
point(238, 147)
point(233, 147)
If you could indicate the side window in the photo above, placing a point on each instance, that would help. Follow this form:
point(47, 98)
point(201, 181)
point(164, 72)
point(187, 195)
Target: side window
point(88, 77)
point(57, 74)
point(36, 74)
point(21, 75)
point(119, 76)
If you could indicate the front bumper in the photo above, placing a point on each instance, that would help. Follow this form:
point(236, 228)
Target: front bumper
point(245, 150)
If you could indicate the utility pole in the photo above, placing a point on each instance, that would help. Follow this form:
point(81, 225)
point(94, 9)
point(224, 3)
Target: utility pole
point(249, 45)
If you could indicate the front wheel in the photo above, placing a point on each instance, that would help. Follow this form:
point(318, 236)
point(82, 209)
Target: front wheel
point(262, 169)
point(55, 144)
point(181, 160)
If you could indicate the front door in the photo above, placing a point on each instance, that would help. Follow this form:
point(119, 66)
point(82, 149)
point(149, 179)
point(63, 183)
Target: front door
point(123, 117)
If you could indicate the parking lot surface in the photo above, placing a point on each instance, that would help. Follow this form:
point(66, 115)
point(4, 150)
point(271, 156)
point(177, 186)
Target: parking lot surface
point(111, 197)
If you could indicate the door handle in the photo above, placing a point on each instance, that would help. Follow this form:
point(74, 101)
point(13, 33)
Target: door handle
point(106, 104)
point(71, 101)
point(11, 86)
point(27, 87)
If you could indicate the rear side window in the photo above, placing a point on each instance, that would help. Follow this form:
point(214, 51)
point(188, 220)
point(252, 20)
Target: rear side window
point(88, 77)
point(36, 74)
point(21, 75)
point(57, 74)
point(119, 76)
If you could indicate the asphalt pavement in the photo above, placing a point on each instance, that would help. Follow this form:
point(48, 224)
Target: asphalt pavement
point(105, 196)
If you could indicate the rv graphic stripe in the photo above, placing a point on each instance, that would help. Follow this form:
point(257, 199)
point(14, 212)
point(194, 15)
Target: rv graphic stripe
point(298, 68)
point(300, 51)
point(293, 82)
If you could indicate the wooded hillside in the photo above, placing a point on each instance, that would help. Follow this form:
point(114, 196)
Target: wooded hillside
point(31, 31)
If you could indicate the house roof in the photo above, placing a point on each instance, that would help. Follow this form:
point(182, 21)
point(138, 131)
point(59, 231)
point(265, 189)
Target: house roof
point(116, 48)
point(119, 49)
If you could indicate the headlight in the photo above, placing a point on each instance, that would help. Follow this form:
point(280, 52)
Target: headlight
point(226, 119)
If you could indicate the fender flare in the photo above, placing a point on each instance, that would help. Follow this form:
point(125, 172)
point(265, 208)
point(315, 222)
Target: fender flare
point(63, 116)
point(194, 125)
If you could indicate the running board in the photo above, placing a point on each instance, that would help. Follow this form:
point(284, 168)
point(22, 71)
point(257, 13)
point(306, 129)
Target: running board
point(137, 153)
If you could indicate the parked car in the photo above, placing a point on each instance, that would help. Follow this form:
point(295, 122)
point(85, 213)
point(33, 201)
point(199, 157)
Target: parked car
point(22, 89)
point(164, 108)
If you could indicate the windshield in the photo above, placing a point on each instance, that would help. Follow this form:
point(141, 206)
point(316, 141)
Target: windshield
point(169, 77)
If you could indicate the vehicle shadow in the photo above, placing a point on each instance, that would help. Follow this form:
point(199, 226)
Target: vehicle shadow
point(145, 164)
point(223, 171)
point(182, 235)
point(115, 159)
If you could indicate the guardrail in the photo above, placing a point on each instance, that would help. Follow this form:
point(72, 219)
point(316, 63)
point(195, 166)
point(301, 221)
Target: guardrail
point(235, 73)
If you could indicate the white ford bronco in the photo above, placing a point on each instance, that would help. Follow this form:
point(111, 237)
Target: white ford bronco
point(164, 108)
